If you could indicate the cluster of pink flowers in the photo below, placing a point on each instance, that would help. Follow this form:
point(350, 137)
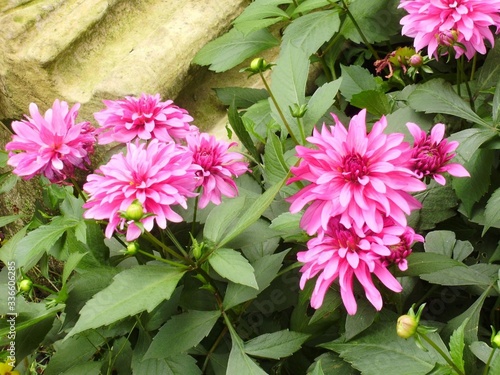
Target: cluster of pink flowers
point(460, 24)
point(167, 160)
point(359, 194)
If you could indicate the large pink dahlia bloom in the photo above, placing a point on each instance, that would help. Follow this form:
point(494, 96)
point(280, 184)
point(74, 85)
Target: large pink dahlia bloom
point(158, 175)
point(216, 167)
point(146, 117)
point(431, 154)
point(347, 254)
point(51, 145)
point(361, 177)
point(451, 22)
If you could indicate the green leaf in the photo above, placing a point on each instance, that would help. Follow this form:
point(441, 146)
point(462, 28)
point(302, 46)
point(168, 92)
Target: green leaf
point(239, 362)
point(424, 263)
point(132, 291)
point(364, 317)
point(330, 363)
point(73, 352)
point(396, 121)
point(438, 96)
point(457, 346)
point(275, 345)
point(356, 79)
point(275, 166)
point(379, 348)
point(260, 116)
point(288, 84)
point(471, 190)
point(309, 5)
point(440, 242)
point(266, 269)
point(233, 266)
point(378, 20)
point(243, 97)
point(288, 225)
point(482, 351)
point(309, 32)
point(222, 217)
point(85, 368)
point(241, 132)
point(232, 48)
point(185, 330)
point(496, 104)
point(374, 101)
point(457, 276)
point(258, 15)
point(4, 220)
point(253, 213)
point(319, 103)
point(469, 141)
point(7, 181)
point(31, 248)
point(488, 75)
point(492, 213)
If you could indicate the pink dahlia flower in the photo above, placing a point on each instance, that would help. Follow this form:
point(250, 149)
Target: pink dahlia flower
point(460, 23)
point(216, 167)
point(401, 250)
point(431, 154)
point(146, 118)
point(52, 145)
point(347, 254)
point(361, 177)
point(157, 176)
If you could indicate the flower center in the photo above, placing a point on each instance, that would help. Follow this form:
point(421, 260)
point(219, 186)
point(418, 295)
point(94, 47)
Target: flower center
point(347, 239)
point(428, 159)
point(353, 167)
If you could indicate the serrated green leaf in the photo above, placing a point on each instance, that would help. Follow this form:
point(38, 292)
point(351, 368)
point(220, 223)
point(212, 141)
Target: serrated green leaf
point(379, 348)
point(243, 97)
point(185, 330)
point(275, 166)
point(309, 32)
point(233, 266)
point(222, 217)
point(70, 264)
point(496, 104)
point(241, 131)
point(275, 345)
point(232, 48)
point(266, 268)
point(4, 220)
point(488, 75)
point(31, 248)
point(438, 96)
point(423, 263)
point(239, 362)
point(457, 345)
point(374, 101)
point(133, 290)
point(331, 364)
point(260, 116)
point(492, 213)
point(440, 242)
point(364, 317)
point(7, 181)
point(356, 79)
point(396, 121)
point(471, 190)
point(482, 351)
point(258, 15)
point(288, 84)
point(469, 141)
point(322, 99)
point(309, 5)
point(84, 368)
point(456, 276)
point(253, 213)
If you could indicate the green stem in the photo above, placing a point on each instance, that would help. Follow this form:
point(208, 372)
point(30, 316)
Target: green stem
point(301, 129)
point(212, 349)
point(172, 237)
point(282, 116)
point(175, 264)
point(463, 79)
point(289, 268)
point(164, 247)
point(356, 25)
point(195, 212)
point(486, 369)
point(44, 288)
point(443, 354)
point(78, 189)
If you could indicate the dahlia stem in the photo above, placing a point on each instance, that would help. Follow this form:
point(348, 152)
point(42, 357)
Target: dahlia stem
point(78, 189)
point(443, 354)
point(195, 212)
point(289, 268)
point(282, 116)
point(214, 346)
point(175, 264)
point(155, 241)
point(466, 82)
point(356, 25)
point(172, 237)
point(490, 358)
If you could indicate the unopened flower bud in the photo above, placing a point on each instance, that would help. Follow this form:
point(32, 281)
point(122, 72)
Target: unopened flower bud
point(135, 211)
point(416, 60)
point(406, 326)
point(298, 111)
point(132, 248)
point(25, 285)
point(495, 338)
point(258, 64)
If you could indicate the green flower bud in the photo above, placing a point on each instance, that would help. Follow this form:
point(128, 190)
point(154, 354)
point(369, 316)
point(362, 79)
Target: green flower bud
point(407, 326)
point(258, 64)
point(132, 248)
point(135, 211)
point(25, 285)
point(495, 338)
point(298, 111)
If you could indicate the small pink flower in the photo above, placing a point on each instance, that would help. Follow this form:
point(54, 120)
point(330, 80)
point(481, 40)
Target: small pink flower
point(145, 117)
point(216, 167)
point(401, 250)
point(348, 254)
point(158, 176)
point(431, 154)
point(361, 177)
point(52, 145)
point(460, 23)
